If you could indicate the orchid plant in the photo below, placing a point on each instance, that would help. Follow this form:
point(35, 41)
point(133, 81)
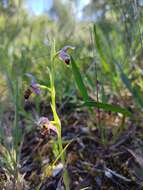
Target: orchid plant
point(54, 125)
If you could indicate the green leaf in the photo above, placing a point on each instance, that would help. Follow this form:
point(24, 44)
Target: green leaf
point(107, 107)
point(79, 81)
point(84, 93)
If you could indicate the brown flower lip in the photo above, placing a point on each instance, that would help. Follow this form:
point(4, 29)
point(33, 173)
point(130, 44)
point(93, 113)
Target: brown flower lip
point(67, 61)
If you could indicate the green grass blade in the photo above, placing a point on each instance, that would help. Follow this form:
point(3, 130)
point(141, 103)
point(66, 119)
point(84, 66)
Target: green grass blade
point(79, 81)
point(108, 107)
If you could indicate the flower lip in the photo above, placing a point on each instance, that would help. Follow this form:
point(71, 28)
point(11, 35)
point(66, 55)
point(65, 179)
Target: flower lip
point(67, 61)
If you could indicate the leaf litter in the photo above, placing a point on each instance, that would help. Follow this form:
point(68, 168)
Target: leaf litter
point(91, 165)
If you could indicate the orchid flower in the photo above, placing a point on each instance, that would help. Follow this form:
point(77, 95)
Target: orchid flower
point(63, 55)
point(34, 86)
point(46, 125)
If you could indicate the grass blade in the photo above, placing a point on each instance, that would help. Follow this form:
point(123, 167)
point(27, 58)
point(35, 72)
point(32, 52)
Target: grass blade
point(108, 107)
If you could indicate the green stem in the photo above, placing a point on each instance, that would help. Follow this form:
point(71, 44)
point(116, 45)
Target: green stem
point(58, 122)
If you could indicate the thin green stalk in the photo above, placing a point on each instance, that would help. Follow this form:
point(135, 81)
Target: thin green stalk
point(56, 118)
